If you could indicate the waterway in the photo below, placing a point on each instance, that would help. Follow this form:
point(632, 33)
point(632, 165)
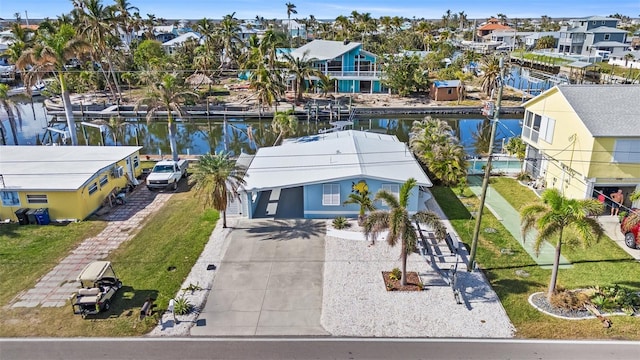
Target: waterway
point(204, 135)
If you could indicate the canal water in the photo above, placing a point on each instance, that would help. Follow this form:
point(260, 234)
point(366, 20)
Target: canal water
point(204, 135)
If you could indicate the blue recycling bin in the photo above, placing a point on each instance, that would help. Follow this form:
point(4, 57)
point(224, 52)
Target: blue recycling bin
point(42, 216)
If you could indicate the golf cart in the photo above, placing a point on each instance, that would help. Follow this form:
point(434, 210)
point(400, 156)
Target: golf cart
point(99, 284)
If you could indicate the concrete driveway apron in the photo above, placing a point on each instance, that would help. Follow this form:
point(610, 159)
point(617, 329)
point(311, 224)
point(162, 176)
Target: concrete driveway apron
point(269, 281)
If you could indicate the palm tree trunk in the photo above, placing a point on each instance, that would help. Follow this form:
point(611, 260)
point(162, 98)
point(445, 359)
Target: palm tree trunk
point(68, 111)
point(554, 271)
point(12, 124)
point(172, 138)
point(403, 278)
point(115, 80)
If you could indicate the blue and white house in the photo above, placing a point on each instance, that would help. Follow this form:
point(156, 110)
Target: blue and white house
point(311, 177)
point(353, 69)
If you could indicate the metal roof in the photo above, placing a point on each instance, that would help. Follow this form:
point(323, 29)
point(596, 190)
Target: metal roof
point(606, 110)
point(446, 83)
point(63, 168)
point(183, 38)
point(333, 157)
point(94, 271)
point(580, 64)
point(324, 49)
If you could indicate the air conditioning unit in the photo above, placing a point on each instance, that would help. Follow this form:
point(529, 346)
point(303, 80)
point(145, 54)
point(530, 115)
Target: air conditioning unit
point(117, 172)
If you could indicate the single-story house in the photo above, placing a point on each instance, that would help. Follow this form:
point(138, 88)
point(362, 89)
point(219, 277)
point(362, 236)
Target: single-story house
point(71, 181)
point(444, 90)
point(312, 176)
point(582, 139)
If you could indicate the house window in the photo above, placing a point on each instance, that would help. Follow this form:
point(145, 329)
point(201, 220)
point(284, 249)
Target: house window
point(546, 129)
point(394, 189)
point(37, 199)
point(607, 36)
point(331, 194)
point(93, 188)
point(449, 91)
point(10, 198)
point(104, 180)
point(625, 151)
point(536, 126)
point(136, 161)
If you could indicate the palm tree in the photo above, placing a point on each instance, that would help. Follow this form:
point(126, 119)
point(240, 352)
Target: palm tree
point(362, 199)
point(167, 95)
point(284, 122)
point(491, 68)
point(11, 108)
point(217, 179)
point(516, 146)
point(54, 46)
point(399, 223)
point(424, 29)
point(227, 32)
point(302, 69)
point(127, 22)
point(555, 214)
point(291, 9)
point(433, 142)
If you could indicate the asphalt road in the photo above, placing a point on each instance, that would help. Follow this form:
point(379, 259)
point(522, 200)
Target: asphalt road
point(305, 348)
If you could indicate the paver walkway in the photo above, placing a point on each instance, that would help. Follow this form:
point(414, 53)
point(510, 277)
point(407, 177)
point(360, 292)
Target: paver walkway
point(510, 219)
point(56, 287)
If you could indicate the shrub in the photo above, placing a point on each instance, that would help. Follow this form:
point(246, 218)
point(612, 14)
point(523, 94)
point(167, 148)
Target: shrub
point(182, 306)
point(395, 274)
point(523, 176)
point(341, 223)
point(616, 297)
point(569, 300)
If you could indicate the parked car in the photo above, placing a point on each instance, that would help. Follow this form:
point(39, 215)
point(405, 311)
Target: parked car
point(99, 284)
point(167, 173)
point(630, 231)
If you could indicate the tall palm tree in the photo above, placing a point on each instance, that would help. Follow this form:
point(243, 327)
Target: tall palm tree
point(400, 224)
point(227, 32)
point(291, 9)
point(125, 19)
point(363, 200)
point(167, 95)
point(302, 69)
point(556, 214)
point(217, 179)
point(424, 29)
point(284, 122)
point(490, 65)
point(97, 24)
point(54, 46)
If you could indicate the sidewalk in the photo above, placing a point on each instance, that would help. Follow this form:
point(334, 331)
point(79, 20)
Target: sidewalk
point(510, 219)
point(55, 288)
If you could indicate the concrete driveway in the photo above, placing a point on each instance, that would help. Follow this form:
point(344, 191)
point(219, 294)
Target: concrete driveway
point(269, 281)
point(611, 226)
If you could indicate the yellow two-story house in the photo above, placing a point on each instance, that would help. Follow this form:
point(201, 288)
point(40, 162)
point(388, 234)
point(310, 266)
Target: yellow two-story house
point(584, 139)
point(70, 181)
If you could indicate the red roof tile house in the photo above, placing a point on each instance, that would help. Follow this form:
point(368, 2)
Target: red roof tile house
point(492, 25)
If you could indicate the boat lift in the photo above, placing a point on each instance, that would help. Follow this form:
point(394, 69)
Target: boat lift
point(103, 129)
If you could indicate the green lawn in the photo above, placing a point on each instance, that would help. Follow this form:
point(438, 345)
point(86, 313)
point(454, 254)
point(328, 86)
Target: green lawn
point(602, 264)
point(28, 252)
point(152, 264)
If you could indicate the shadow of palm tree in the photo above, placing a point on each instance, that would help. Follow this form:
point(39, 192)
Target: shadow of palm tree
point(282, 230)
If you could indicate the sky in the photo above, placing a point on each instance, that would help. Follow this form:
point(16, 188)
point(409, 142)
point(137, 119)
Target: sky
point(330, 9)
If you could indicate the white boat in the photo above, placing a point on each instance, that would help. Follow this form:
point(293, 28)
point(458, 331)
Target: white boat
point(36, 90)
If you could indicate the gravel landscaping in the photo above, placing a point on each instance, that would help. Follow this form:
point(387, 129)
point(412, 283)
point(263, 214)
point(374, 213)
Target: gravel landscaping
point(356, 303)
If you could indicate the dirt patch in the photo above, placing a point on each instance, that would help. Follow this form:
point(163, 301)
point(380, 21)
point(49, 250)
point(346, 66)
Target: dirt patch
point(413, 282)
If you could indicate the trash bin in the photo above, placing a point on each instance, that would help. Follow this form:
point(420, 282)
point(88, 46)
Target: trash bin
point(31, 217)
point(21, 214)
point(42, 216)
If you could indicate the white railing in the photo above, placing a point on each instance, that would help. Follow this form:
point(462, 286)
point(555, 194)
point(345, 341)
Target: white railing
point(354, 73)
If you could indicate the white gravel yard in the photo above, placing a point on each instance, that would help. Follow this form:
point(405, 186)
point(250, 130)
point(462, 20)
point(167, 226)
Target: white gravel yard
point(356, 303)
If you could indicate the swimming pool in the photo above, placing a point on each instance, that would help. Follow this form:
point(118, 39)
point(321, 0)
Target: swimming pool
point(507, 165)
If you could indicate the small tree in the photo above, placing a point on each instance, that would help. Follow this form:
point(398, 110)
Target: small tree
point(400, 224)
point(553, 216)
point(284, 122)
point(515, 146)
point(216, 179)
point(362, 199)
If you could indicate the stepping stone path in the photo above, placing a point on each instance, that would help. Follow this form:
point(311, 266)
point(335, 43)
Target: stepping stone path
point(124, 221)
